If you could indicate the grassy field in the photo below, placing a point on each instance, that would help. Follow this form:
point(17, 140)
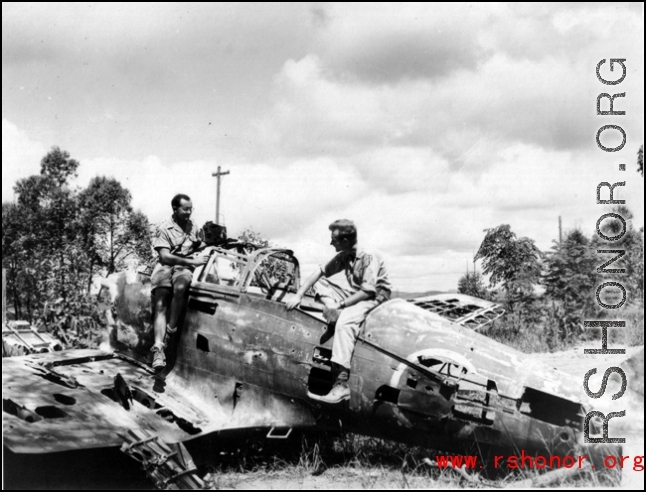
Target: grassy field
point(357, 462)
point(539, 329)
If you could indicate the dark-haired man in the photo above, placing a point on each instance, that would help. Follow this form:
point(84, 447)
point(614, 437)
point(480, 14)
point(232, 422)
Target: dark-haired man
point(176, 240)
point(368, 280)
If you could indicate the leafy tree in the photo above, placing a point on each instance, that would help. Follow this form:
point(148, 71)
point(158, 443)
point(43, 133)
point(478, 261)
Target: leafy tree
point(252, 237)
point(632, 242)
point(571, 269)
point(274, 269)
point(58, 166)
point(140, 245)
point(46, 246)
point(569, 280)
point(49, 212)
point(472, 284)
point(112, 232)
point(513, 262)
point(10, 224)
point(36, 229)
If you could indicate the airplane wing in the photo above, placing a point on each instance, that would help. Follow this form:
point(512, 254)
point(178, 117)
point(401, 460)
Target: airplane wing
point(464, 310)
point(78, 399)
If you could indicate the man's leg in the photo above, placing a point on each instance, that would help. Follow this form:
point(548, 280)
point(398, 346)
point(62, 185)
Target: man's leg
point(348, 328)
point(327, 292)
point(162, 296)
point(182, 278)
point(181, 282)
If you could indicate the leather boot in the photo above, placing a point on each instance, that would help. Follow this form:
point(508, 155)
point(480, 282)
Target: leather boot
point(340, 390)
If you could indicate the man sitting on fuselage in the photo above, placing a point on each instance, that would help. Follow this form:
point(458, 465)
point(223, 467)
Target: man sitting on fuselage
point(368, 279)
point(175, 241)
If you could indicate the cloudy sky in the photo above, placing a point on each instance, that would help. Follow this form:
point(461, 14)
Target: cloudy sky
point(425, 124)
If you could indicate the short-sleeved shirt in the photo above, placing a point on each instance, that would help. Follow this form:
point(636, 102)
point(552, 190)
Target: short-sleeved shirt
point(181, 243)
point(364, 271)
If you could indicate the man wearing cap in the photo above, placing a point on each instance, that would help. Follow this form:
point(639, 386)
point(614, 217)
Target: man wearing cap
point(176, 240)
point(368, 279)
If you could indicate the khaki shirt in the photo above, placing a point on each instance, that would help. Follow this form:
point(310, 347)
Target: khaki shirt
point(181, 243)
point(363, 271)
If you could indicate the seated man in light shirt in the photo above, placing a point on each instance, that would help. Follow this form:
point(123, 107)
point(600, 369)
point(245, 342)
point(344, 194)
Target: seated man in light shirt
point(176, 240)
point(368, 280)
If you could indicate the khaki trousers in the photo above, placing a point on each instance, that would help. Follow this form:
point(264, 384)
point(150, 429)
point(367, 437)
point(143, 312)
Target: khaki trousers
point(350, 323)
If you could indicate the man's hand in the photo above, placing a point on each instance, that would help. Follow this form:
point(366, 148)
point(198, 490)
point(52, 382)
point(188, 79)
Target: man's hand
point(332, 313)
point(294, 302)
point(199, 260)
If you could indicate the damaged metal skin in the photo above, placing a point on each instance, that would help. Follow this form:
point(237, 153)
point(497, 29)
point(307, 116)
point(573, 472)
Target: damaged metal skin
point(472, 389)
point(242, 361)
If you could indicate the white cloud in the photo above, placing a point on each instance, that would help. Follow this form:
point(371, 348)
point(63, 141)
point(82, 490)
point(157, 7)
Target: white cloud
point(20, 157)
point(530, 82)
point(388, 42)
point(314, 115)
point(277, 200)
point(423, 123)
point(466, 120)
point(424, 218)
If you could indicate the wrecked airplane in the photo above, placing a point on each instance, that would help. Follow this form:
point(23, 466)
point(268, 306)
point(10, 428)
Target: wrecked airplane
point(421, 374)
point(21, 338)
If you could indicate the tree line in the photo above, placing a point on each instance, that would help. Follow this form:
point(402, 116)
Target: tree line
point(553, 292)
point(55, 238)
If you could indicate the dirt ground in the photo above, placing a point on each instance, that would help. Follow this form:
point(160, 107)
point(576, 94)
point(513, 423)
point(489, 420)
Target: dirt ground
point(346, 479)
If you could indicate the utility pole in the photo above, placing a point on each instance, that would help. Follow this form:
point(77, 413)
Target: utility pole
point(560, 231)
point(219, 175)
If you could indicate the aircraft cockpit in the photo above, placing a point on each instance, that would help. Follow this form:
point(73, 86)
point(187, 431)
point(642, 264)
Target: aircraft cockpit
point(242, 268)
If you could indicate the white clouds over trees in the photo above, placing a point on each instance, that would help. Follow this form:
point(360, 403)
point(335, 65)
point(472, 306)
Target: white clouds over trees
point(424, 123)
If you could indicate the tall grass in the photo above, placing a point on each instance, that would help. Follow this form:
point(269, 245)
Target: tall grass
point(633, 334)
point(355, 461)
point(546, 326)
point(514, 330)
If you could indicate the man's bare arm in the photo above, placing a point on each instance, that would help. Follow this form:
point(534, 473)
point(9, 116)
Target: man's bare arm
point(296, 299)
point(169, 259)
point(358, 296)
